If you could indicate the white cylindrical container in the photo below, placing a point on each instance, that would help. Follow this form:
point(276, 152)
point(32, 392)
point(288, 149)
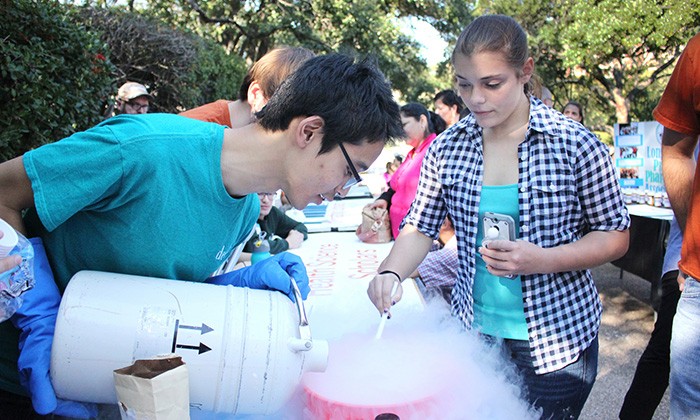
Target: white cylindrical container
point(246, 350)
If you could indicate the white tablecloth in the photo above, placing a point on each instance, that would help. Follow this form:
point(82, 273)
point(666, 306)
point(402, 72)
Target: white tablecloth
point(649, 211)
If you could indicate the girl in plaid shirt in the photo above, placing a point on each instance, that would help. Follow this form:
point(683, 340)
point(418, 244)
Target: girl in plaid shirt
point(535, 296)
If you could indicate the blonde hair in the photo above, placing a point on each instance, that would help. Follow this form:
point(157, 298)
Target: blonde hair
point(272, 68)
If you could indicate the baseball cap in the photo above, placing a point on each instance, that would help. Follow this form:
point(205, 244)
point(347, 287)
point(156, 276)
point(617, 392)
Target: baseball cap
point(131, 90)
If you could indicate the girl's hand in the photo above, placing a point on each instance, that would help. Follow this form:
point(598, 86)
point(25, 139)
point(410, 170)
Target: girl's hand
point(379, 292)
point(511, 258)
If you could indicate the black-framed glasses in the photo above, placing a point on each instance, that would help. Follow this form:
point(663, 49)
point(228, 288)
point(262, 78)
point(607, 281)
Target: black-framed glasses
point(356, 178)
point(138, 107)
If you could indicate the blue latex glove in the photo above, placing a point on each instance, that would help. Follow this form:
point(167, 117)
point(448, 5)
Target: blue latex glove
point(270, 274)
point(36, 319)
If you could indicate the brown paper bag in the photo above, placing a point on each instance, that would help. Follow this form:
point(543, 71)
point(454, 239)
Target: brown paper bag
point(154, 389)
point(375, 227)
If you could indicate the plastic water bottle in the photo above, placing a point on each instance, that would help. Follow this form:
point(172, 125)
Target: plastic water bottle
point(261, 250)
point(19, 279)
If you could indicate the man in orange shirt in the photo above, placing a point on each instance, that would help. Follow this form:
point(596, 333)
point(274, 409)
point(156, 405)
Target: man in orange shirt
point(261, 81)
point(678, 111)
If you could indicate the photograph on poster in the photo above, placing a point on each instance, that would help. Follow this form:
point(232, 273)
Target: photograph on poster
point(627, 129)
point(628, 173)
point(628, 152)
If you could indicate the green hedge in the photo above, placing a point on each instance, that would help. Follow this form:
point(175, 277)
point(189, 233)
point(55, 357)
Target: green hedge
point(62, 65)
point(55, 76)
point(181, 70)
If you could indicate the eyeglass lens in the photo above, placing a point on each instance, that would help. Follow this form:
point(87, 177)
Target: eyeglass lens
point(356, 176)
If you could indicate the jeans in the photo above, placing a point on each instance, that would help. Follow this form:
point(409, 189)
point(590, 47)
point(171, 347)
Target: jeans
point(651, 377)
point(685, 354)
point(560, 394)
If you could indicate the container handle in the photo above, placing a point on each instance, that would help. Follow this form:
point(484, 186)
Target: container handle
point(303, 343)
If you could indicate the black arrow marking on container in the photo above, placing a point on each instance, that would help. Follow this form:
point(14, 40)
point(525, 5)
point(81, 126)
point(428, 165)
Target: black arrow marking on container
point(203, 330)
point(177, 324)
point(203, 348)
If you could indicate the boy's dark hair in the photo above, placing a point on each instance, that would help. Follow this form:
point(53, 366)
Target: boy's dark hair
point(354, 100)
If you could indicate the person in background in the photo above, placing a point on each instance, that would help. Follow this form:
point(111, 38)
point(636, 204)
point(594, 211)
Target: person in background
point(165, 196)
point(651, 376)
point(391, 167)
point(259, 84)
point(133, 98)
point(448, 106)
point(281, 231)
point(678, 111)
point(547, 97)
point(533, 298)
point(573, 110)
point(421, 127)
point(438, 271)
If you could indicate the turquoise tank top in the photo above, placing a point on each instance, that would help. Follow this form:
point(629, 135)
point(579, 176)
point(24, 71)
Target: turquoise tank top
point(498, 301)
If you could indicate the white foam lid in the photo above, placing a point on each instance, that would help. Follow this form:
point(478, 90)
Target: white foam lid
point(9, 238)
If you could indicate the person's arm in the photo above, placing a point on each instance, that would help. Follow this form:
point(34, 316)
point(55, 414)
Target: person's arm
point(16, 193)
point(36, 318)
point(521, 257)
point(409, 249)
point(283, 232)
point(282, 225)
point(294, 239)
point(678, 166)
point(439, 268)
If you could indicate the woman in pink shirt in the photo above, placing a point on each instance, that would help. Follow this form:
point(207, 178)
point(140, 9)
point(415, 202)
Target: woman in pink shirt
point(421, 127)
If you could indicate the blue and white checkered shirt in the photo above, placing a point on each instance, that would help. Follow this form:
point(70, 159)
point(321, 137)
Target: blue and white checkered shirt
point(567, 187)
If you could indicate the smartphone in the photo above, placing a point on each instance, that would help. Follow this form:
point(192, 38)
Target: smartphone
point(502, 224)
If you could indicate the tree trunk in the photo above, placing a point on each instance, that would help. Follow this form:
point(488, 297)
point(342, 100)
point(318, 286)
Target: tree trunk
point(622, 107)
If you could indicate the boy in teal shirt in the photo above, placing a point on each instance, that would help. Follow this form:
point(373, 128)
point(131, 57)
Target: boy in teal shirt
point(170, 197)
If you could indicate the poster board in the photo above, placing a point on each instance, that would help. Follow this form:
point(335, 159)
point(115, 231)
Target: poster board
point(638, 163)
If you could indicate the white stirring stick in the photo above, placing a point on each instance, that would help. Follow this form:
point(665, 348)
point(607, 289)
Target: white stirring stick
point(385, 315)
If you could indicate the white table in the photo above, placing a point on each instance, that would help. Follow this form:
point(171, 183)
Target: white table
point(644, 210)
point(340, 267)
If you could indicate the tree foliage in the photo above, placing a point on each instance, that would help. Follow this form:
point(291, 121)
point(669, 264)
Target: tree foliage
point(60, 67)
point(614, 57)
point(251, 28)
point(180, 69)
point(55, 76)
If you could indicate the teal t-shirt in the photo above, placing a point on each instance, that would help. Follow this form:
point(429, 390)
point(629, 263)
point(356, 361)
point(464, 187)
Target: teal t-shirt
point(141, 195)
point(137, 194)
point(498, 301)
